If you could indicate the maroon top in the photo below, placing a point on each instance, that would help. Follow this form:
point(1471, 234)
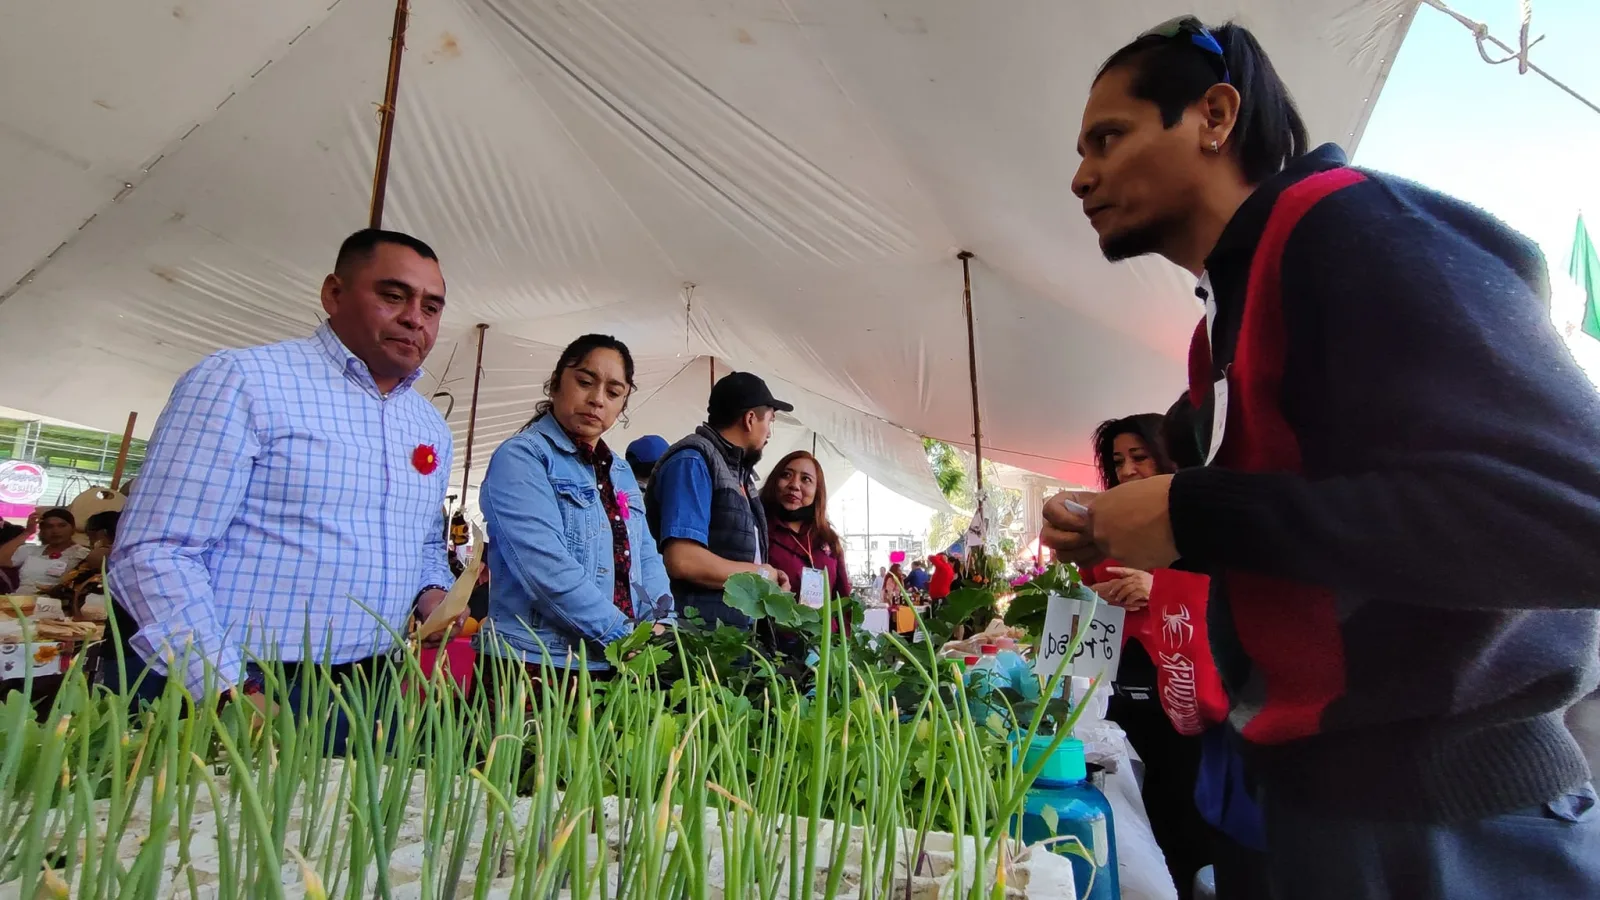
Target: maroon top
point(790, 553)
point(621, 563)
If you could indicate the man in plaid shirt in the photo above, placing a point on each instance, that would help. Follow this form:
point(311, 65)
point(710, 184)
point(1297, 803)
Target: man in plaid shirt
point(292, 496)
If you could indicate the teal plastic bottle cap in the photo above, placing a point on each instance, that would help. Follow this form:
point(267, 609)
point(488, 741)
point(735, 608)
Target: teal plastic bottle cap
point(1067, 764)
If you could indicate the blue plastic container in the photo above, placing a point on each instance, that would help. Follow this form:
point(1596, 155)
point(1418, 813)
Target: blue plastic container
point(1016, 673)
point(1063, 804)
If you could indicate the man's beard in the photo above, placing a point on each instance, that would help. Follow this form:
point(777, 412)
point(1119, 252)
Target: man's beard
point(752, 458)
point(1141, 241)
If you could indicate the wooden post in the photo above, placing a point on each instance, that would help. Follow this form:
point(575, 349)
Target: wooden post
point(972, 363)
point(391, 93)
point(122, 452)
point(472, 414)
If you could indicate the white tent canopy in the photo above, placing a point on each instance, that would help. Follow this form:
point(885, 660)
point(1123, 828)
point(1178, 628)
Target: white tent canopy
point(178, 174)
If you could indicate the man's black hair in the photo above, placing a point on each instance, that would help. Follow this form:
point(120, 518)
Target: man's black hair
point(727, 418)
point(103, 521)
point(1173, 74)
point(358, 247)
point(1180, 433)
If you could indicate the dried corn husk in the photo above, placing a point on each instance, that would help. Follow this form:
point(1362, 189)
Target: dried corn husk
point(455, 602)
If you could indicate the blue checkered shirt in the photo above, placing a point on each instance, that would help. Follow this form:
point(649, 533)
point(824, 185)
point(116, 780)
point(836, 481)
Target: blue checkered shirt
point(278, 497)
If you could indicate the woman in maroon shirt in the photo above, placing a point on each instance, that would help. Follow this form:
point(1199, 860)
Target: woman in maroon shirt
point(796, 498)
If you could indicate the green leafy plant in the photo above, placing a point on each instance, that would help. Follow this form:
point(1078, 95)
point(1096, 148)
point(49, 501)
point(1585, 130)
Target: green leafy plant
point(1030, 600)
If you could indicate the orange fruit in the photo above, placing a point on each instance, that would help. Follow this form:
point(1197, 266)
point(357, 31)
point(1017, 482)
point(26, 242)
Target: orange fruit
point(470, 627)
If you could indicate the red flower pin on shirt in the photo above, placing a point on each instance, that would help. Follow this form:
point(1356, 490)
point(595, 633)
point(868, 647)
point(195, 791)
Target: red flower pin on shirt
point(622, 505)
point(424, 459)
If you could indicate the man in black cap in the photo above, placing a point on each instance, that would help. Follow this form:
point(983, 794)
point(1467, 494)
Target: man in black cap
point(703, 504)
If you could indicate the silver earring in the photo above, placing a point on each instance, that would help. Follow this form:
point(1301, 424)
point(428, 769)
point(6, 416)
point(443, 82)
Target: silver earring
point(1215, 148)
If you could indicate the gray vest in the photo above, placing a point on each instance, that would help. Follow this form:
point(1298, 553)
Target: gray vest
point(738, 529)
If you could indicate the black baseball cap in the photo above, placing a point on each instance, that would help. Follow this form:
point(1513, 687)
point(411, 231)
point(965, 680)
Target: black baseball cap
point(741, 391)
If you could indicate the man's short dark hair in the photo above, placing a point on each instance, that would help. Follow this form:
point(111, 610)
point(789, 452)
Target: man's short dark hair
point(358, 247)
point(727, 418)
point(1173, 73)
point(103, 521)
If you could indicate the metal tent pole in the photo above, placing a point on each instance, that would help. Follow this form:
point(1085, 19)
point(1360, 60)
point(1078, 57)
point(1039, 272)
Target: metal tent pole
point(972, 362)
point(391, 92)
point(472, 414)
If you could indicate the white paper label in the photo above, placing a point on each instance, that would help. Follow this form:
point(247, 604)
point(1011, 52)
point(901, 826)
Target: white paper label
point(1219, 417)
point(811, 590)
point(48, 608)
point(1100, 638)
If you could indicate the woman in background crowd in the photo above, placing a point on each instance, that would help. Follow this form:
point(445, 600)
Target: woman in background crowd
point(894, 585)
point(796, 498)
point(41, 566)
point(944, 576)
point(86, 580)
point(85, 585)
point(1163, 708)
point(572, 564)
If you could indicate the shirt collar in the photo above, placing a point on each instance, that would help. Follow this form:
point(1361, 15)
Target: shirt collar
point(551, 429)
point(350, 364)
point(1243, 231)
point(599, 457)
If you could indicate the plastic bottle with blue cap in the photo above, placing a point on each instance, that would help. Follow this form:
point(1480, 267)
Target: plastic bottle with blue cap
point(1071, 817)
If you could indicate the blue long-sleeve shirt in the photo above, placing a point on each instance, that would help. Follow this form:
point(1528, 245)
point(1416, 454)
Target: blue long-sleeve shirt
point(281, 493)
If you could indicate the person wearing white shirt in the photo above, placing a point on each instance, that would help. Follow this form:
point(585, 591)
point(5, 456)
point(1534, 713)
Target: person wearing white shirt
point(40, 566)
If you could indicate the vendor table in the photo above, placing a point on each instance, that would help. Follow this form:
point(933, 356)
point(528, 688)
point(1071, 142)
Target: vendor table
point(1141, 866)
point(45, 657)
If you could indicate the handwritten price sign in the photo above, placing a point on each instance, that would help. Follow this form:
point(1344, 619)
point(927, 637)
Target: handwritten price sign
point(1098, 628)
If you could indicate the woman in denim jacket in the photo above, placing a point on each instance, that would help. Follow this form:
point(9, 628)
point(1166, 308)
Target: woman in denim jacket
point(572, 564)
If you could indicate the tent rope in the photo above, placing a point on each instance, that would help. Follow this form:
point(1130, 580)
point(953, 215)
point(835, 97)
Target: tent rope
point(1480, 33)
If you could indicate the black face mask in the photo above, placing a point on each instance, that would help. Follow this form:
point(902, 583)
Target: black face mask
point(803, 514)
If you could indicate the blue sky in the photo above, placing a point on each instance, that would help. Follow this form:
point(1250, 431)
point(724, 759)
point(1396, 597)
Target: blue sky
point(1515, 145)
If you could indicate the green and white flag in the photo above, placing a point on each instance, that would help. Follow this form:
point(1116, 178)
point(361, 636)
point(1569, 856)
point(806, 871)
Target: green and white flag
point(1585, 270)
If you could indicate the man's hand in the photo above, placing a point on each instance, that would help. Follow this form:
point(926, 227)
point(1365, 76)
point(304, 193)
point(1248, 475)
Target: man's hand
point(1130, 523)
point(1070, 533)
point(781, 577)
point(261, 708)
point(1128, 588)
point(33, 520)
point(427, 603)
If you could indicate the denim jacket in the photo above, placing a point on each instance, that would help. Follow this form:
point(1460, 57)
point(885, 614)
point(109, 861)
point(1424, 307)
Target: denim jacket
point(550, 551)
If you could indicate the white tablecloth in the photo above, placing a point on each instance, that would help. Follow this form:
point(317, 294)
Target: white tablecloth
point(1141, 866)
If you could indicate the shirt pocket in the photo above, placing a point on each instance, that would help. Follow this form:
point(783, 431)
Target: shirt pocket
point(578, 502)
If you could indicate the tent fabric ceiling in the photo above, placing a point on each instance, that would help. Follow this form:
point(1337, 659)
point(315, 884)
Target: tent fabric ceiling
point(781, 185)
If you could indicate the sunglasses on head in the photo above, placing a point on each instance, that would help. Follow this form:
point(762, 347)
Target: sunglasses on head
point(1198, 35)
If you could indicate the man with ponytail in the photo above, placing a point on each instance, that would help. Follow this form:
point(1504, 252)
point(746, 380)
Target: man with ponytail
point(1388, 416)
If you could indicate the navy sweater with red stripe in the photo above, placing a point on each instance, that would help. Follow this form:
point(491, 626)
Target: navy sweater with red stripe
point(1403, 428)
